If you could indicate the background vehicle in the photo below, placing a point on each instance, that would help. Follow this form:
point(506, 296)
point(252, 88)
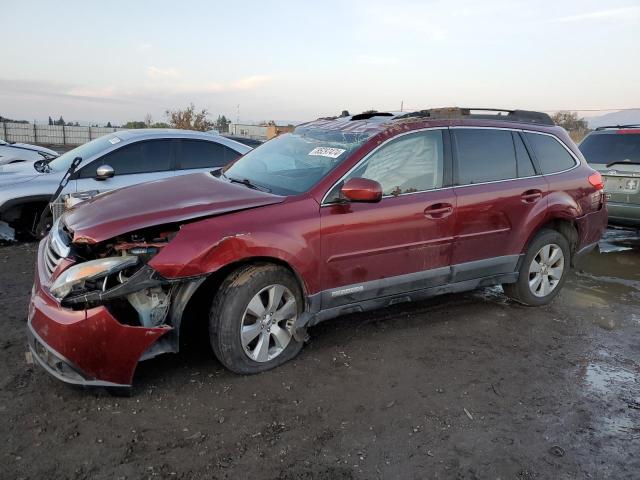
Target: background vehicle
point(23, 152)
point(251, 142)
point(112, 161)
point(615, 152)
point(343, 215)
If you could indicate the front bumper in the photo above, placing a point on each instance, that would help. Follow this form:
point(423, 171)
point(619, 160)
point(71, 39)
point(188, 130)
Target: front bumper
point(84, 347)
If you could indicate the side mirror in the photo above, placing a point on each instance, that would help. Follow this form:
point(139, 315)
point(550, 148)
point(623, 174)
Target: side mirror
point(104, 171)
point(362, 190)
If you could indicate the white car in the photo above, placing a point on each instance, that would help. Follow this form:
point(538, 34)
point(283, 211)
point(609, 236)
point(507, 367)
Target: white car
point(113, 161)
point(23, 152)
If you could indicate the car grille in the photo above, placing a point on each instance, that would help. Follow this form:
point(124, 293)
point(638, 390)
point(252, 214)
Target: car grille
point(56, 248)
point(51, 257)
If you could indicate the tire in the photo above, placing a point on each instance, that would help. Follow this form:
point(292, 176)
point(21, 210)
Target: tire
point(531, 289)
point(44, 224)
point(245, 303)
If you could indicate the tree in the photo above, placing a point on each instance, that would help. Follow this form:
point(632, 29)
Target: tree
point(148, 120)
point(222, 124)
point(135, 124)
point(577, 127)
point(60, 121)
point(109, 125)
point(189, 119)
point(50, 121)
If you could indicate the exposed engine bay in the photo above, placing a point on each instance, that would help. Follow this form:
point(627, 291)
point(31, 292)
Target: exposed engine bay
point(115, 273)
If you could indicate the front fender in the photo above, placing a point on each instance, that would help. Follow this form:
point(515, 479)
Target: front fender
point(286, 232)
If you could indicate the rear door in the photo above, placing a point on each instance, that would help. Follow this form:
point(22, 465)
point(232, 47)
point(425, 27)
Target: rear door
point(202, 156)
point(134, 163)
point(403, 242)
point(499, 193)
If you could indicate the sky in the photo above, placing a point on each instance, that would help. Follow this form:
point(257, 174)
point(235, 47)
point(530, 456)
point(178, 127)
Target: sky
point(298, 60)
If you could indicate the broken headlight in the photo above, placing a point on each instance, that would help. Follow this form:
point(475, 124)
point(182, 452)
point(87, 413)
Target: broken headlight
point(91, 271)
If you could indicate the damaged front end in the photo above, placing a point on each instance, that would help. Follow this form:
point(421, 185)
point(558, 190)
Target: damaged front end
point(99, 308)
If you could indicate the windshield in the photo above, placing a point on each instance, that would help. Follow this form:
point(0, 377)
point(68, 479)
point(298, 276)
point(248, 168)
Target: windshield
point(294, 162)
point(611, 147)
point(89, 149)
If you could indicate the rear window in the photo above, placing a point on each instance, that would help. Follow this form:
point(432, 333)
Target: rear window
point(611, 147)
point(484, 155)
point(551, 155)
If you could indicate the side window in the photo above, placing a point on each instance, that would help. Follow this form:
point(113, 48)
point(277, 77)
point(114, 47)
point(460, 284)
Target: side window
point(525, 167)
point(484, 155)
point(203, 154)
point(551, 155)
point(411, 163)
point(142, 157)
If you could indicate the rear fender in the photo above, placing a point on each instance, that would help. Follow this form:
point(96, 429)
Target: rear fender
point(561, 207)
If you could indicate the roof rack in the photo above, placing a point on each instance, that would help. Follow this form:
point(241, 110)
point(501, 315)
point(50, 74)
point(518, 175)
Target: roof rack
point(526, 116)
point(604, 127)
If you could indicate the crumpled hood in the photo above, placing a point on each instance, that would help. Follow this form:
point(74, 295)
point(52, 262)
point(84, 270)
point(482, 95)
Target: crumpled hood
point(172, 200)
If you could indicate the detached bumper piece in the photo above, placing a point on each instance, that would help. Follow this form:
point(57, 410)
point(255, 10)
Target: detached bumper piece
point(58, 366)
point(86, 347)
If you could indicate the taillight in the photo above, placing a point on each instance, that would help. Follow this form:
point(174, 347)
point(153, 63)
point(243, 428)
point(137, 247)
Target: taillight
point(595, 179)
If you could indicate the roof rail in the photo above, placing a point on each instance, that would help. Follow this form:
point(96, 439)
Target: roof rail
point(604, 127)
point(526, 116)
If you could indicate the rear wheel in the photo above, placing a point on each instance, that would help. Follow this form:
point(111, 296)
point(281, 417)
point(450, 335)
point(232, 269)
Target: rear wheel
point(543, 270)
point(252, 317)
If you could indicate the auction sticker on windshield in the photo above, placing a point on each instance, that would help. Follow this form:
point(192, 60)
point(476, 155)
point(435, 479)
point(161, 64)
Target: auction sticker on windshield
point(327, 152)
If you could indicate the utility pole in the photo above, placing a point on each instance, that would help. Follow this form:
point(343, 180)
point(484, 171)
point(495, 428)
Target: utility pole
point(401, 104)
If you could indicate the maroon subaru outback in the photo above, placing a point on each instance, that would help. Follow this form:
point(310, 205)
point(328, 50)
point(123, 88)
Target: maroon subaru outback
point(345, 214)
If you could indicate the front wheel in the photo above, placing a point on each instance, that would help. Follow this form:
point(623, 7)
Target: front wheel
point(543, 270)
point(252, 317)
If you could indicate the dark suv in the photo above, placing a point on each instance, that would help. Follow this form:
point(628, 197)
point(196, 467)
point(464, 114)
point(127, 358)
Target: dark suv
point(345, 214)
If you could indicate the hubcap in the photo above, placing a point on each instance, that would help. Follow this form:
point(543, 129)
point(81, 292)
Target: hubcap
point(546, 270)
point(267, 322)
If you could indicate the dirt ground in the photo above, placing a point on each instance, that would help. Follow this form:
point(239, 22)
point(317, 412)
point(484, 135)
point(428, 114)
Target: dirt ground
point(463, 386)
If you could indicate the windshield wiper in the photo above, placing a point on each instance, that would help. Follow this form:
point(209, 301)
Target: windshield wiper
point(246, 182)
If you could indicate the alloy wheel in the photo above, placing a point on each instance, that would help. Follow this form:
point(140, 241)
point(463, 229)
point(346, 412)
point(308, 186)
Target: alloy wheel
point(267, 321)
point(546, 269)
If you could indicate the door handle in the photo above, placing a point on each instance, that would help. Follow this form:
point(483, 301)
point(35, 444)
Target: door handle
point(438, 210)
point(531, 196)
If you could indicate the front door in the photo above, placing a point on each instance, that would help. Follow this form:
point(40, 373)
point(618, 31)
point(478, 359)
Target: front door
point(135, 163)
point(400, 244)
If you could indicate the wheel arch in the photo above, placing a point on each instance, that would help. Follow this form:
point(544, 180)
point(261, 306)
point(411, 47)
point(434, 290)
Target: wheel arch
point(197, 306)
point(565, 226)
point(24, 212)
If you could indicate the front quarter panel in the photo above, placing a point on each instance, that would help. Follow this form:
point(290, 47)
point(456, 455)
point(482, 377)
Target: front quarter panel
point(288, 232)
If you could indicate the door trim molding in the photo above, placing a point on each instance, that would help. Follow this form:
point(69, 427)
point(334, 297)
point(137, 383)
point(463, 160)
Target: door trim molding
point(356, 293)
